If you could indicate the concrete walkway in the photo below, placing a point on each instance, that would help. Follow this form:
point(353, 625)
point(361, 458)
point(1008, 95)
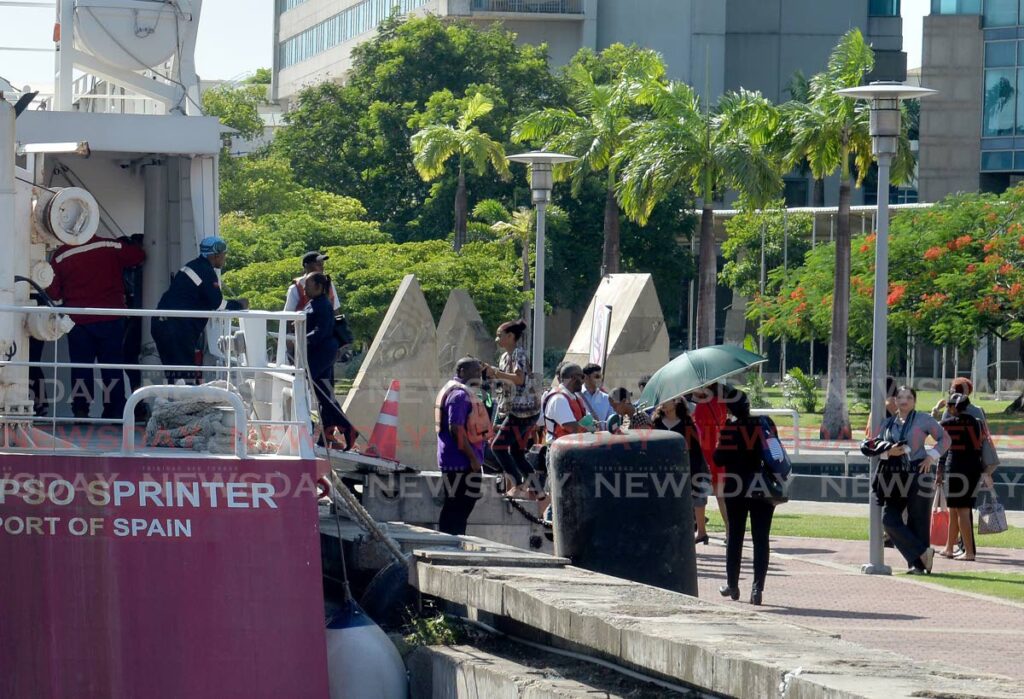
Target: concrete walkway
point(816, 583)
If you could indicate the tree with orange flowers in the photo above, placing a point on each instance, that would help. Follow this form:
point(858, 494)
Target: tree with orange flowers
point(956, 270)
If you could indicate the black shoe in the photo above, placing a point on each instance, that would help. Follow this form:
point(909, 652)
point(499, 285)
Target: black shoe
point(702, 540)
point(726, 591)
point(755, 596)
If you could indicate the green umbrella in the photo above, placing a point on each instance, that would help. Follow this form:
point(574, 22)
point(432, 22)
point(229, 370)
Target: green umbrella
point(696, 369)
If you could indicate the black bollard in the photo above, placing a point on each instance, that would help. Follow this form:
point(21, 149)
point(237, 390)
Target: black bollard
point(623, 506)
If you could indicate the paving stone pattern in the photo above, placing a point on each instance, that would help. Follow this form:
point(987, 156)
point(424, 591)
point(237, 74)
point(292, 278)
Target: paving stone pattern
point(816, 583)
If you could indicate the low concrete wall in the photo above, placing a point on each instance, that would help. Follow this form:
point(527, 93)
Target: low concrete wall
point(467, 672)
point(685, 640)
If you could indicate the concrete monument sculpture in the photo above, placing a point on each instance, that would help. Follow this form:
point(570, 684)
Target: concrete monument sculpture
point(638, 341)
point(405, 348)
point(461, 332)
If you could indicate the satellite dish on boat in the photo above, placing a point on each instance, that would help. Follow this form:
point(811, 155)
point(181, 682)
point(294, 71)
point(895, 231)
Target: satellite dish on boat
point(126, 34)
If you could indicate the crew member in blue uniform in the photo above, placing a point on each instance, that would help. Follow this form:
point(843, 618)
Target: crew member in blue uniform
point(196, 287)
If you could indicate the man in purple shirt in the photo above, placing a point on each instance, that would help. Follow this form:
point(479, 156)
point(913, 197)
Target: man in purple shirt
point(458, 457)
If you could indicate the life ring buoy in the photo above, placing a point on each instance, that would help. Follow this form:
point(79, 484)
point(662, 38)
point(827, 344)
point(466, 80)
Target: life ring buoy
point(323, 488)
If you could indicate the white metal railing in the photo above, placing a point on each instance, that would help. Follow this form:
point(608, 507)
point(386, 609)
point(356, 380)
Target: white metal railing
point(228, 367)
point(784, 411)
point(211, 393)
point(554, 7)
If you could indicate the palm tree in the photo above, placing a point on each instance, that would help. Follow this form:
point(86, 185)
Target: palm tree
point(595, 130)
point(520, 229)
point(736, 146)
point(434, 145)
point(799, 90)
point(831, 133)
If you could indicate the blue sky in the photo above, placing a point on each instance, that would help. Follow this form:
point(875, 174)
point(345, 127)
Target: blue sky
point(232, 42)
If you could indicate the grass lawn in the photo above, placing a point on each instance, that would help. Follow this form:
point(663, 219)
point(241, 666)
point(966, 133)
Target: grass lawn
point(852, 529)
point(1006, 585)
point(926, 400)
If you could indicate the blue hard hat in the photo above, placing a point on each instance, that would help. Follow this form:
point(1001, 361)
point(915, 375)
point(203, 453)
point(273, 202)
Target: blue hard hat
point(212, 245)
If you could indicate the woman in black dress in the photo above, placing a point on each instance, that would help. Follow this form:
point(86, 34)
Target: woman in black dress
point(960, 470)
point(675, 416)
point(739, 452)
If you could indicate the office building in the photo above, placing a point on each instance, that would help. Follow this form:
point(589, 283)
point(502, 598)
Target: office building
point(972, 132)
point(718, 44)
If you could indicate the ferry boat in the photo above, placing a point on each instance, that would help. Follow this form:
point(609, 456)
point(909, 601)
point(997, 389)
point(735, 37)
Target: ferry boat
point(134, 567)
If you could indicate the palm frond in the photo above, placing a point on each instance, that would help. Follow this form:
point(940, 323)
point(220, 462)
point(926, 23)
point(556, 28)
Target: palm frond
point(432, 147)
point(475, 107)
point(851, 59)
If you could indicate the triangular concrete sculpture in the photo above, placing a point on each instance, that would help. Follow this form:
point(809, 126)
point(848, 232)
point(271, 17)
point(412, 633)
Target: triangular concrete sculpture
point(461, 332)
point(405, 349)
point(638, 340)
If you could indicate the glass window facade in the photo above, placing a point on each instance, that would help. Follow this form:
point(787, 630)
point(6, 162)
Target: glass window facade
point(339, 28)
point(1001, 53)
point(1000, 102)
point(884, 8)
point(956, 7)
point(997, 161)
point(1001, 13)
point(285, 5)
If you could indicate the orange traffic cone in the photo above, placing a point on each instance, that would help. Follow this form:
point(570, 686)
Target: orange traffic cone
point(384, 440)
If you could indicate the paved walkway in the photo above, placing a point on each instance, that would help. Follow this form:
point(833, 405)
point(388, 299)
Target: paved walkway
point(817, 583)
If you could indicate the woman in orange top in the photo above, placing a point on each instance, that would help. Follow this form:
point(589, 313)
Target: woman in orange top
point(710, 416)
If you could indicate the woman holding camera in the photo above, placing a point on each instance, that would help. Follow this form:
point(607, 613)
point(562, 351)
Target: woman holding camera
point(903, 484)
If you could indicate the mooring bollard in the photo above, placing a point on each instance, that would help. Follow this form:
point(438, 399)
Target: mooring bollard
point(623, 506)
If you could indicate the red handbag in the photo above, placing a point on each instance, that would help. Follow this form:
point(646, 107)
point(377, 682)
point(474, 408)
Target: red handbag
point(940, 519)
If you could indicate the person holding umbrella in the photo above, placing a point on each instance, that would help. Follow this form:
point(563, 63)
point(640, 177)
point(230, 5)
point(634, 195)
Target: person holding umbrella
point(692, 371)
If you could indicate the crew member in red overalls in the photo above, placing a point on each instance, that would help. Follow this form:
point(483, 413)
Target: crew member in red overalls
point(91, 276)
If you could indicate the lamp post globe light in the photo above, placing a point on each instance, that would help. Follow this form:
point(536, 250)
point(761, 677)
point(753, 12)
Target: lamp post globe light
point(541, 183)
point(885, 133)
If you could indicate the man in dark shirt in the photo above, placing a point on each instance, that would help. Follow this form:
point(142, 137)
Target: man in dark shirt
point(91, 276)
point(196, 287)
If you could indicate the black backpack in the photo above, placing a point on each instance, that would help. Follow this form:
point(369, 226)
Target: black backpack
point(342, 332)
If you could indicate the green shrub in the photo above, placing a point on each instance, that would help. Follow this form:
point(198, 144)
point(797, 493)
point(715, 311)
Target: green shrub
point(440, 630)
point(755, 388)
point(800, 391)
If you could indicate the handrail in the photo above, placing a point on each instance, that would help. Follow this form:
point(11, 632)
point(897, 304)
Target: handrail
point(292, 316)
point(784, 411)
point(285, 369)
point(184, 393)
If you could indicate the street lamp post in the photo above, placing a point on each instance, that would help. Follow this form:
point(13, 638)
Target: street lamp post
point(541, 184)
point(885, 133)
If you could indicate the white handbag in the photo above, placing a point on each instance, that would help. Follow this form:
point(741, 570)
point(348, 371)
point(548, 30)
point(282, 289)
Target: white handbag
point(991, 516)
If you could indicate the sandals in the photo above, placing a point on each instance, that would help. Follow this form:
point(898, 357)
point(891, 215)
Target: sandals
point(963, 557)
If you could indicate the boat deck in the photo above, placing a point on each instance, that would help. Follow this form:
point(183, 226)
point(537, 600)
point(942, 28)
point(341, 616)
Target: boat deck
point(90, 439)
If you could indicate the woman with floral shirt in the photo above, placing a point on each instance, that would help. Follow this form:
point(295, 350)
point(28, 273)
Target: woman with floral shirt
point(517, 407)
